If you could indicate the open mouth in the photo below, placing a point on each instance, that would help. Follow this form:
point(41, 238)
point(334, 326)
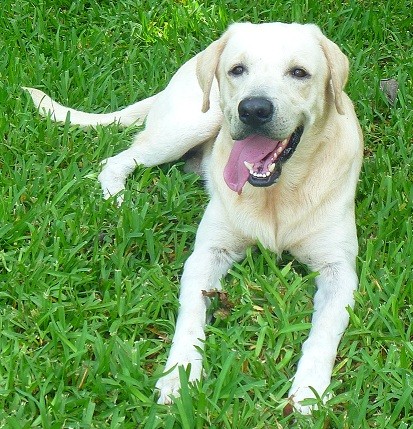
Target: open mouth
point(258, 160)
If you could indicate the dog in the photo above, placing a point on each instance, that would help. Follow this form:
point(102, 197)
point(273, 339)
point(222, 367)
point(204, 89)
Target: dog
point(281, 153)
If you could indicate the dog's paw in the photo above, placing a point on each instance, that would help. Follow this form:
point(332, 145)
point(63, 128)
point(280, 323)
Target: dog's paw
point(111, 181)
point(169, 385)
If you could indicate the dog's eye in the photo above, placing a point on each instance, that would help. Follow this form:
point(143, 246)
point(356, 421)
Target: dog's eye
point(299, 73)
point(237, 70)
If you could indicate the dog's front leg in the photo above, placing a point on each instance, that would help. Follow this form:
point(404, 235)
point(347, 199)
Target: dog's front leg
point(336, 284)
point(216, 247)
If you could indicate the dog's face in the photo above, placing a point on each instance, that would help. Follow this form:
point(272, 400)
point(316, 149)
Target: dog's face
point(274, 81)
point(269, 79)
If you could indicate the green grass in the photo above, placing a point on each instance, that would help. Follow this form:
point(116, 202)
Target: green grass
point(88, 291)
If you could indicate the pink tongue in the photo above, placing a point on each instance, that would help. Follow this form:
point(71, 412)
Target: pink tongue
point(253, 149)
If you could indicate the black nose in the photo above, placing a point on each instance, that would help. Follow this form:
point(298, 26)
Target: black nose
point(255, 111)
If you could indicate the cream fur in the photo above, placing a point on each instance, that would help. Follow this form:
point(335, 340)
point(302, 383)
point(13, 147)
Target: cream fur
point(308, 212)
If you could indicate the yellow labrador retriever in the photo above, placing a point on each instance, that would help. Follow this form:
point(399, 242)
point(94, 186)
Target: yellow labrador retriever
point(282, 153)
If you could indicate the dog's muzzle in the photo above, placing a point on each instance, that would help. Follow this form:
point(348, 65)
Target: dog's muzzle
point(259, 159)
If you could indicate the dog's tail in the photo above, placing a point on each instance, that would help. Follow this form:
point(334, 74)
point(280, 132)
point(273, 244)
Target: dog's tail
point(134, 114)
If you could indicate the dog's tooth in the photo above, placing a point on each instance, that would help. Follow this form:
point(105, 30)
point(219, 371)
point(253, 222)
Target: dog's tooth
point(271, 167)
point(280, 149)
point(249, 166)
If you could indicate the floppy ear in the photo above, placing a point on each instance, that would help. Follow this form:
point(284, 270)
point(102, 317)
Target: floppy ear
point(338, 66)
point(206, 66)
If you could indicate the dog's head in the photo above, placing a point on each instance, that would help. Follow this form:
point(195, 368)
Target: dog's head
point(275, 80)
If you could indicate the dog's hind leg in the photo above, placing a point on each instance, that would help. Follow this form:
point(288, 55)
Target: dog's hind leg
point(175, 124)
point(151, 148)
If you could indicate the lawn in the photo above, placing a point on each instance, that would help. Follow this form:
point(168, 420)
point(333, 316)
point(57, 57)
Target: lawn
point(88, 291)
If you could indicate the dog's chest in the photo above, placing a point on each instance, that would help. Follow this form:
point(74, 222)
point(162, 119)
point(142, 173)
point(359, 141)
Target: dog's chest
point(262, 215)
point(254, 214)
